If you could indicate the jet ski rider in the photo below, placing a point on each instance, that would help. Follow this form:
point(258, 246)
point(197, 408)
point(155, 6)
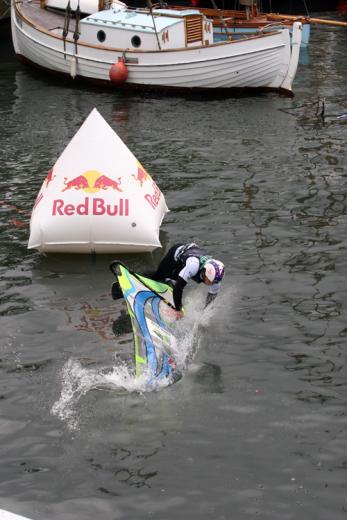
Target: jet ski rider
point(185, 262)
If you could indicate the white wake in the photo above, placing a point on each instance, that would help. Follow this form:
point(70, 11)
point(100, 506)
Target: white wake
point(77, 380)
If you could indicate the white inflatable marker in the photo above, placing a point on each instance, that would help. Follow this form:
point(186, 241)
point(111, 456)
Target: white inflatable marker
point(97, 198)
point(5, 515)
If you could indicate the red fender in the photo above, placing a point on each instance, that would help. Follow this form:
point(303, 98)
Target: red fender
point(118, 72)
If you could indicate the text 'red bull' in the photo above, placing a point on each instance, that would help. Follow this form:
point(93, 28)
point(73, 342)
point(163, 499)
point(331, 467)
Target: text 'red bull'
point(93, 206)
point(153, 198)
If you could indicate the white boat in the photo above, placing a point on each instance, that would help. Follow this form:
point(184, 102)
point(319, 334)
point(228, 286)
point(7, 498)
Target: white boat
point(97, 198)
point(159, 49)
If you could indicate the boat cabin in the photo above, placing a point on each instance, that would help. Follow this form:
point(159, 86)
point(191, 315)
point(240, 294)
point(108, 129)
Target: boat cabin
point(140, 30)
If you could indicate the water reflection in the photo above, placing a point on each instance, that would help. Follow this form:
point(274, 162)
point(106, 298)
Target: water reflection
point(314, 397)
point(126, 467)
point(316, 369)
point(311, 262)
point(122, 325)
point(209, 377)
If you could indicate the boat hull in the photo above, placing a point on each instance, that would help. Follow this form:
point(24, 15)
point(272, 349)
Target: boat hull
point(264, 62)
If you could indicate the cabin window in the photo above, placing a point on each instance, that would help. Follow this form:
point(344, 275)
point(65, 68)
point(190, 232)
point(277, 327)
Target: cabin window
point(101, 36)
point(136, 41)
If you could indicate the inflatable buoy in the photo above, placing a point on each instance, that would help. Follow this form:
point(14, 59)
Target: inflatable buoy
point(118, 72)
point(97, 198)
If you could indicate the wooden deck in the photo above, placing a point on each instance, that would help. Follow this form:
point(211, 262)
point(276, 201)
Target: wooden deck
point(44, 18)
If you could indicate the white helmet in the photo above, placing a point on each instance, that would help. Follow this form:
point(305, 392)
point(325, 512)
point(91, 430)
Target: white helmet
point(214, 271)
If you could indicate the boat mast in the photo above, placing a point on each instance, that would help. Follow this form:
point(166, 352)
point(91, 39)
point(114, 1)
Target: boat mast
point(224, 25)
point(66, 25)
point(76, 33)
point(250, 8)
point(150, 6)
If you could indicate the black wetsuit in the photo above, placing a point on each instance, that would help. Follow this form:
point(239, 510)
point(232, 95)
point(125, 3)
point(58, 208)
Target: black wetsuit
point(172, 264)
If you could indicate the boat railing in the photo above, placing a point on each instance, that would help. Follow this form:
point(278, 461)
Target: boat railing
point(272, 25)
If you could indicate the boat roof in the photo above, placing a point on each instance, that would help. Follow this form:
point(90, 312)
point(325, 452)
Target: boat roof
point(137, 20)
point(176, 12)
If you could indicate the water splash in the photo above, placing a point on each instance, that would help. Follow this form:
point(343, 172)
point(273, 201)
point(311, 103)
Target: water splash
point(77, 380)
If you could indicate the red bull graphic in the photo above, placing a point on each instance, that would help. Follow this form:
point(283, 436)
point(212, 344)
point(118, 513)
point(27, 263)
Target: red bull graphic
point(38, 200)
point(49, 177)
point(153, 199)
point(142, 175)
point(78, 183)
point(103, 183)
point(92, 181)
point(91, 206)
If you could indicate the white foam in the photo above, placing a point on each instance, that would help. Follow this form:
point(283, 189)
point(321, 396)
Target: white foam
point(77, 380)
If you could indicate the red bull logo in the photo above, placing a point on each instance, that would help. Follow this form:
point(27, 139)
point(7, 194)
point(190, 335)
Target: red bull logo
point(38, 200)
point(91, 206)
point(49, 177)
point(153, 198)
point(141, 175)
point(92, 181)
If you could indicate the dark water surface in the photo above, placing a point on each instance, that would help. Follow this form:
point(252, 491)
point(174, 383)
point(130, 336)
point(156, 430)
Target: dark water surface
point(257, 427)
